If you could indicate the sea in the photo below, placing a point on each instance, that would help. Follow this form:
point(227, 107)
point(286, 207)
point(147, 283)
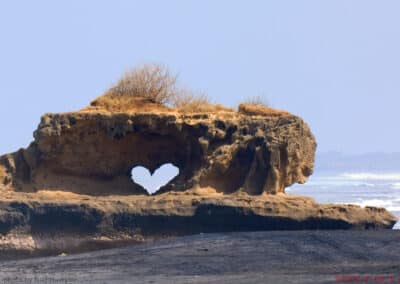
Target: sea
point(365, 186)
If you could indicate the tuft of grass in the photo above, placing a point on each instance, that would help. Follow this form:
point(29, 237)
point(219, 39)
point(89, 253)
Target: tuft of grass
point(257, 101)
point(115, 103)
point(187, 101)
point(251, 109)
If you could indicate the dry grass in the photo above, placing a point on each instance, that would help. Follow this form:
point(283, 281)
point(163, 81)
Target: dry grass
point(257, 101)
point(186, 98)
point(251, 109)
point(152, 88)
point(182, 104)
point(188, 102)
point(116, 103)
point(205, 108)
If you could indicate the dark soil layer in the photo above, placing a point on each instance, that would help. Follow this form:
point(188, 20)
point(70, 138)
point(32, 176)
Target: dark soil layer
point(251, 257)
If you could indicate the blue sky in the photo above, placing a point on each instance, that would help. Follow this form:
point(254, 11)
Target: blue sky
point(335, 63)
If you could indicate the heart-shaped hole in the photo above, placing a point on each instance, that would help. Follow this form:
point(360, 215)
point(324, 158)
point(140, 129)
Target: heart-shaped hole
point(160, 177)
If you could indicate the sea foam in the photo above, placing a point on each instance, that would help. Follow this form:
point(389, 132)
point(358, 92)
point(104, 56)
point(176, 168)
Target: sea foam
point(391, 205)
point(371, 176)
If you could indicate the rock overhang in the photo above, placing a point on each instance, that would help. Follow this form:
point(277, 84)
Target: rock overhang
point(233, 170)
point(82, 152)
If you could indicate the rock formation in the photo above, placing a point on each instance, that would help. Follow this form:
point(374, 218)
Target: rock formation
point(93, 152)
point(234, 168)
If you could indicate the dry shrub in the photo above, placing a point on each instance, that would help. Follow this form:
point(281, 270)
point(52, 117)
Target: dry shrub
point(257, 101)
point(152, 81)
point(152, 87)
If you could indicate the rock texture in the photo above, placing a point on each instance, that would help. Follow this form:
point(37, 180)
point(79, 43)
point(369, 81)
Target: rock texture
point(75, 178)
point(51, 221)
point(93, 152)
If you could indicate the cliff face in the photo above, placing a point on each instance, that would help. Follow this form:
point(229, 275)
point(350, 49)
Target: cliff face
point(93, 152)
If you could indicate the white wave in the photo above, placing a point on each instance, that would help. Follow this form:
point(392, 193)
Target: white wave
point(371, 176)
point(393, 208)
point(391, 205)
point(396, 185)
point(376, 203)
point(331, 181)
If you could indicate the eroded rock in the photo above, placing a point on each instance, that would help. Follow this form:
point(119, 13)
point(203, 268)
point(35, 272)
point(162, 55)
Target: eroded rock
point(93, 152)
point(50, 220)
point(75, 177)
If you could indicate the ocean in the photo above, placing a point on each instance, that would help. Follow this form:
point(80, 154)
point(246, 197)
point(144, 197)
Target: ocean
point(372, 188)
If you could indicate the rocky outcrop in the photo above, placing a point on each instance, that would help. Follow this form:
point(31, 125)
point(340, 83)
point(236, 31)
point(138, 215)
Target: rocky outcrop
point(51, 220)
point(75, 177)
point(93, 152)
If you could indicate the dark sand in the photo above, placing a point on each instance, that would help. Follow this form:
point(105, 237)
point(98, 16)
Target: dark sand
point(254, 257)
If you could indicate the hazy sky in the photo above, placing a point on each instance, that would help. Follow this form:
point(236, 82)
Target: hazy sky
point(335, 63)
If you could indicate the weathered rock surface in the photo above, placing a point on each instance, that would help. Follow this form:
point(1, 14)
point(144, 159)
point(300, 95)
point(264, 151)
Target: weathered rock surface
point(48, 219)
point(75, 177)
point(94, 152)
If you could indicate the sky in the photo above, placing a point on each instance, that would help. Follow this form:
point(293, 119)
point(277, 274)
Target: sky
point(336, 63)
